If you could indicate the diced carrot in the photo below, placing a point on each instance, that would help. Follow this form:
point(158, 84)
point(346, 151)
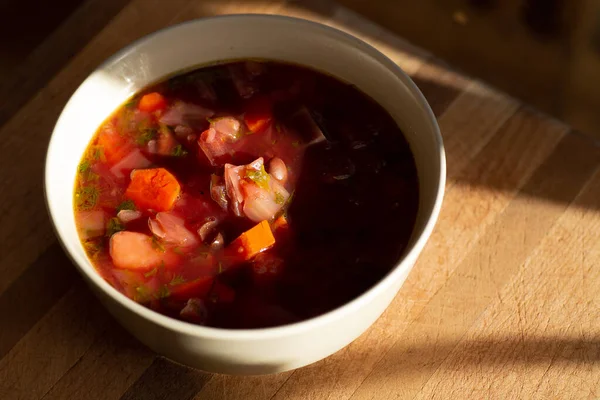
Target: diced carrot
point(252, 242)
point(152, 102)
point(280, 227)
point(259, 114)
point(153, 189)
point(114, 145)
point(197, 288)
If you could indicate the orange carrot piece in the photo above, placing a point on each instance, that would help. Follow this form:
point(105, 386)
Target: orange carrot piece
point(153, 189)
point(259, 115)
point(280, 223)
point(280, 228)
point(152, 102)
point(254, 241)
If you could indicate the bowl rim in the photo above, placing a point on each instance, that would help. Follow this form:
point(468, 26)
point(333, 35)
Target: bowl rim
point(411, 253)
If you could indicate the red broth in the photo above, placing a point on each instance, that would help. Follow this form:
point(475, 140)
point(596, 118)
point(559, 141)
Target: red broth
point(246, 195)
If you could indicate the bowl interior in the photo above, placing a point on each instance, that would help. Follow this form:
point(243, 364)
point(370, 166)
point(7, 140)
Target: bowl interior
point(227, 38)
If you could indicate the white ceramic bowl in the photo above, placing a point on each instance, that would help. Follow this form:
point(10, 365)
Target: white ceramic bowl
point(204, 41)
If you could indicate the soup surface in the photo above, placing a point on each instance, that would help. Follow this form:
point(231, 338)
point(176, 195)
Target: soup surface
point(246, 195)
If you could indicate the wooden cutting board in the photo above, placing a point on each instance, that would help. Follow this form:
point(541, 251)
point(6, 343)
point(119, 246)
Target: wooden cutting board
point(503, 303)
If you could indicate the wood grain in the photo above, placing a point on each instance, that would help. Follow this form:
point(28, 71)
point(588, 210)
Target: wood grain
point(501, 304)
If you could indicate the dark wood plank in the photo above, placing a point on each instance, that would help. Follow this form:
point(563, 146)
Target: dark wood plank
point(106, 370)
point(33, 294)
point(167, 380)
point(22, 78)
point(52, 346)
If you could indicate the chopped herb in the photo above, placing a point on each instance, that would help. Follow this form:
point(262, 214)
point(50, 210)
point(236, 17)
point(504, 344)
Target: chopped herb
point(150, 273)
point(93, 247)
point(98, 153)
point(179, 151)
point(92, 177)
point(220, 267)
point(289, 200)
point(274, 142)
point(86, 197)
point(203, 254)
point(132, 102)
point(163, 292)
point(177, 250)
point(146, 135)
point(84, 166)
point(113, 226)
point(156, 244)
point(278, 128)
point(260, 177)
point(341, 177)
point(142, 294)
point(126, 205)
point(177, 280)
point(85, 172)
point(161, 267)
point(279, 199)
point(295, 143)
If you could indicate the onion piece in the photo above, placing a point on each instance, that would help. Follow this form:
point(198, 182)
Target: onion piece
point(126, 216)
point(218, 192)
point(218, 242)
point(131, 161)
point(227, 127)
point(171, 229)
point(182, 131)
point(263, 204)
point(156, 228)
point(152, 147)
point(233, 175)
point(186, 114)
point(194, 311)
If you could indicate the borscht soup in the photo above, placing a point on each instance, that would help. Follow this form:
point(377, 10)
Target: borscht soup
point(246, 194)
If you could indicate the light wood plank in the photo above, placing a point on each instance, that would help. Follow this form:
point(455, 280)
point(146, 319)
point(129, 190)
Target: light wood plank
point(107, 368)
point(242, 388)
point(541, 339)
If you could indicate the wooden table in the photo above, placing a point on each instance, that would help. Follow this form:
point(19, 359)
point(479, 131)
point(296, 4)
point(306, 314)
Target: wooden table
point(503, 303)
